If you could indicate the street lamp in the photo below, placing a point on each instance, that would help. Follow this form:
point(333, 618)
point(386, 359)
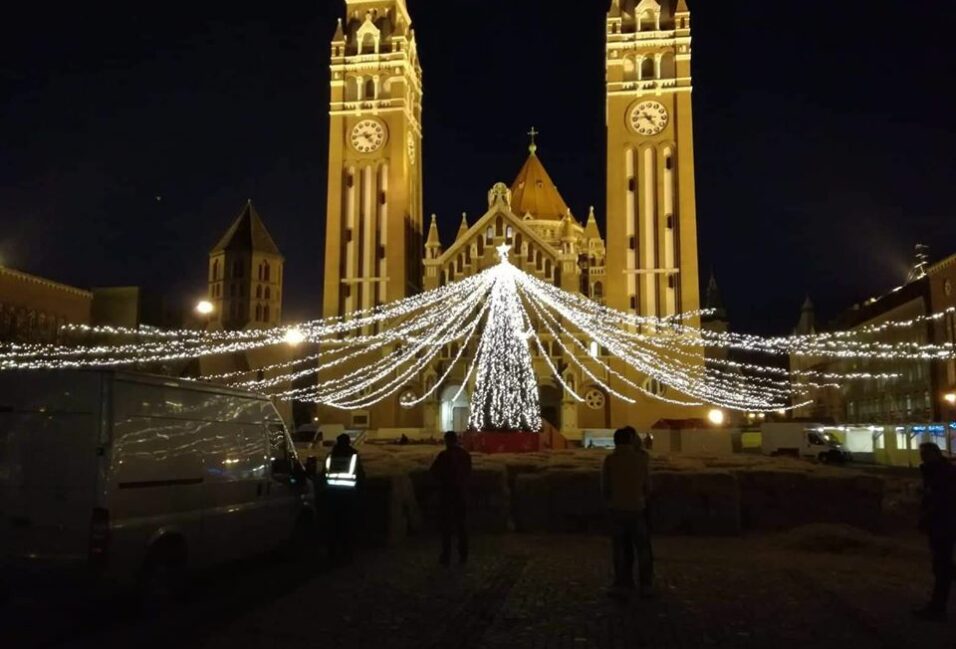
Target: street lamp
point(950, 398)
point(716, 417)
point(205, 308)
point(294, 337)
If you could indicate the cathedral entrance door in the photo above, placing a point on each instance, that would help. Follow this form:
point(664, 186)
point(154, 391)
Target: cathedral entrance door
point(550, 398)
point(454, 413)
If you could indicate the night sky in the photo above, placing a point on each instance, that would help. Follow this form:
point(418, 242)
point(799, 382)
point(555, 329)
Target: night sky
point(131, 134)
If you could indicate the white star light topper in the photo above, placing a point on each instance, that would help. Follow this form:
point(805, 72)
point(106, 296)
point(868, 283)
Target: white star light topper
point(503, 252)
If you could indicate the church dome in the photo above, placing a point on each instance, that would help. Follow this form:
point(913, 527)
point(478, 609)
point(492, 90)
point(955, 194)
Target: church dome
point(534, 193)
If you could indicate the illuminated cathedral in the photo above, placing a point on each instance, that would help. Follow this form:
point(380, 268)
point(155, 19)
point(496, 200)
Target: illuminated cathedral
point(379, 247)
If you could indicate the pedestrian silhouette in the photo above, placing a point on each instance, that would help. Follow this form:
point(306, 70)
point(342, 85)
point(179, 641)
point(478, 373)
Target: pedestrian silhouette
point(625, 483)
point(938, 522)
point(452, 470)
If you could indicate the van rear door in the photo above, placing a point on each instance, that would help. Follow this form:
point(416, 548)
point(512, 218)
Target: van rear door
point(49, 465)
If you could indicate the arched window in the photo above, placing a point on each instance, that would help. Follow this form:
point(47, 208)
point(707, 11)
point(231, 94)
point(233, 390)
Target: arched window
point(647, 68)
point(258, 312)
point(351, 89)
point(547, 268)
point(499, 226)
point(268, 293)
point(368, 44)
point(668, 66)
point(489, 234)
point(259, 292)
point(215, 270)
point(630, 69)
point(598, 291)
point(509, 233)
point(370, 89)
point(265, 313)
point(266, 271)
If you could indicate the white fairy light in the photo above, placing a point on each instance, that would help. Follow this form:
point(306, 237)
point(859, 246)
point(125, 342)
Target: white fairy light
point(371, 355)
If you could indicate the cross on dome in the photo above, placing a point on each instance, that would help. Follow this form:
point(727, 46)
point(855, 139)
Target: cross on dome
point(533, 147)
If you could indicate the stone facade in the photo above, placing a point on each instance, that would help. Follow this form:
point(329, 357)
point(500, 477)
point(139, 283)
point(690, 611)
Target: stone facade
point(376, 252)
point(32, 309)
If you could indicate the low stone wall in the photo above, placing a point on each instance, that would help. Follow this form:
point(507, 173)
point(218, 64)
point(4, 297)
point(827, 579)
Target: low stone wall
point(560, 492)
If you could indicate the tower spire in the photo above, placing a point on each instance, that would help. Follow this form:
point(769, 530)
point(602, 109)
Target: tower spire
point(433, 243)
point(533, 147)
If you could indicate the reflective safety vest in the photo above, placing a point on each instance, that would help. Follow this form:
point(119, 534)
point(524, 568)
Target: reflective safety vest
point(340, 471)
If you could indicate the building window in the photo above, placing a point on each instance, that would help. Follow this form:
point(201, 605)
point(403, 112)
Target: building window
point(268, 293)
point(259, 291)
point(598, 291)
point(215, 270)
point(265, 313)
point(258, 312)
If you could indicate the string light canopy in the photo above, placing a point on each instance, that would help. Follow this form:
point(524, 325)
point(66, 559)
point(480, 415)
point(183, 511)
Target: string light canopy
point(485, 328)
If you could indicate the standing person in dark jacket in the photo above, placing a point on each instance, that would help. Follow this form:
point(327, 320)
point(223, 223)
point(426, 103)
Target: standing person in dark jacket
point(938, 522)
point(625, 484)
point(452, 470)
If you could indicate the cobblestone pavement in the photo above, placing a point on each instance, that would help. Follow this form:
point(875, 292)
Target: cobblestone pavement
point(549, 592)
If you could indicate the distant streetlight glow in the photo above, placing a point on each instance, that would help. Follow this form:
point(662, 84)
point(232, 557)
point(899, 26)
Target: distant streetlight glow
point(205, 307)
point(294, 337)
point(950, 398)
point(716, 417)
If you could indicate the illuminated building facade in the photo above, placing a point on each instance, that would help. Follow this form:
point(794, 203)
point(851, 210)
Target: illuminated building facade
point(377, 251)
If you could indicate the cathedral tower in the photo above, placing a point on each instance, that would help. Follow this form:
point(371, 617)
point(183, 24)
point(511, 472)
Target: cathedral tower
point(651, 259)
point(651, 212)
point(245, 275)
point(374, 210)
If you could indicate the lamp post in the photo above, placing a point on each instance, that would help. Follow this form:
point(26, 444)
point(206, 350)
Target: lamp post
point(716, 417)
point(205, 308)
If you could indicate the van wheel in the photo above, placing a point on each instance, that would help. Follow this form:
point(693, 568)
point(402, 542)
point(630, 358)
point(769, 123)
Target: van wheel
point(162, 582)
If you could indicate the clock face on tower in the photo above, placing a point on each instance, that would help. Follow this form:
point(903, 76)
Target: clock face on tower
point(368, 135)
point(648, 117)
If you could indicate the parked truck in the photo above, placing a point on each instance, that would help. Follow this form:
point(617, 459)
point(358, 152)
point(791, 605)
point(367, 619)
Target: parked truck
point(141, 480)
point(805, 440)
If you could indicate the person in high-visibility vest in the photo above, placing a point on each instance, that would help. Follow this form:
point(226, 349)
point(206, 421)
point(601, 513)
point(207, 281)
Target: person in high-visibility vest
point(343, 477)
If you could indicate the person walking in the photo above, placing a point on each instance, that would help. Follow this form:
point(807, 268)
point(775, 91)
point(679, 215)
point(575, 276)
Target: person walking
point(625, 483)
point(938, 522)
point(343, 478)
point(452, 470)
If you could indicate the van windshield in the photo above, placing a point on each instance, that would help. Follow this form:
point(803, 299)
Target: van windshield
point(831, 439)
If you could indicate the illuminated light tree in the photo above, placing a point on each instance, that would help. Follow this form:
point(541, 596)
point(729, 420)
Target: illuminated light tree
point(506, 388)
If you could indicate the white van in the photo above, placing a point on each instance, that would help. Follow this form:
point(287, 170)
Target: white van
point(806, 440)
point(132, 477)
